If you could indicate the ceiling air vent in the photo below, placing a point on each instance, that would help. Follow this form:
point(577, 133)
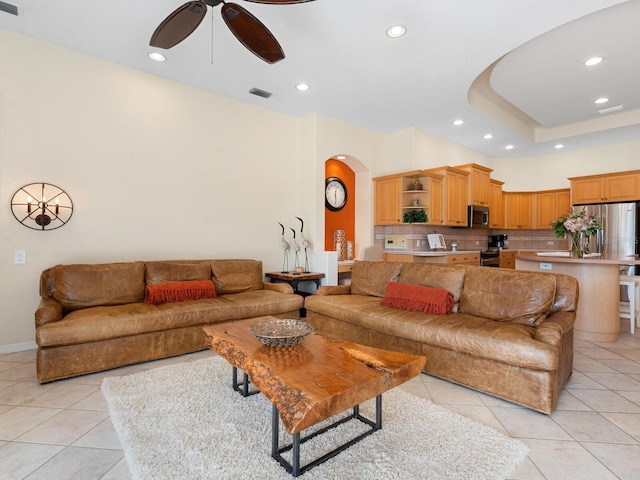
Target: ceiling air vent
point(260, 93)
point(617, 108)
point(8, 8)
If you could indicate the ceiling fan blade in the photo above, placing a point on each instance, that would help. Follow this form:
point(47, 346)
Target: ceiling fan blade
point(252, 33)
point(275, 2)
point(178, 25)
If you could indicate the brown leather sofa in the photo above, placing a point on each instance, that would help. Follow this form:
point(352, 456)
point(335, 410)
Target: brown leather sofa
point(94, 317)
point(511, 335)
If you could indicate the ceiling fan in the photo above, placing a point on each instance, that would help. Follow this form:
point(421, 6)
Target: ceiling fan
point(246, 28)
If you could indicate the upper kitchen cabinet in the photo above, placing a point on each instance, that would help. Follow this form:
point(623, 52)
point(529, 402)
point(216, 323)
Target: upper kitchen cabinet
point(611, 187)
point(387, 200)
point(455, 196)
point(396, 195)
point(518, 210)
point(496, 205)
point(479, 184)
point(551, 204)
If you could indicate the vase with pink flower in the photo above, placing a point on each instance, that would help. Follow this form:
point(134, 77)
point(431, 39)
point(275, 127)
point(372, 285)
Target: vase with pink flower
point(577, 226)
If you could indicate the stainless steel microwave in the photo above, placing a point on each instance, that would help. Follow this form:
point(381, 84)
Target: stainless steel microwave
point(478, 217)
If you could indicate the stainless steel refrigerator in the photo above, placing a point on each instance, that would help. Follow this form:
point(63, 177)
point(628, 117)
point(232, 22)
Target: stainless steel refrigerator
point(620, 230)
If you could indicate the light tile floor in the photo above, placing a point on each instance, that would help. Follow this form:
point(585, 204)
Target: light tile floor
point(62, 430)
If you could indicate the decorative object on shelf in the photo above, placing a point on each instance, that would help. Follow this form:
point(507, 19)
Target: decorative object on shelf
point(335, 194)
point(339, 244)
point(350, 250)
point(577, 227)
point(281, 332)
point(296, 249)
point(41, 206)
point(416, 185)
point(306, 245)
point(415, 216)
point(286, 248)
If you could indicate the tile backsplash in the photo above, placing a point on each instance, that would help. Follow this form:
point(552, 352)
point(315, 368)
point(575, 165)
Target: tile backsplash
point(471, 239)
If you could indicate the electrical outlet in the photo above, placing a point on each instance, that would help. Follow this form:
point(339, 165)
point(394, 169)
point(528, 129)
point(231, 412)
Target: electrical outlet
point(20, 257)
point(477, 243)
point(550, 242)
point(546, 266)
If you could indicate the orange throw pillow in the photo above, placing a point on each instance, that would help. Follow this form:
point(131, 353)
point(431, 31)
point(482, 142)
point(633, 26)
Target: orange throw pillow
point(179, 291)
point(406, 296)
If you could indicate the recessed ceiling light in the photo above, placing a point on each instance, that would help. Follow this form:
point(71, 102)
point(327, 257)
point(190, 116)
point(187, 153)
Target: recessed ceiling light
point(488, 136)
point(509, 147)
point(157, 56)
point(558, 146)
point(341, 157)
point(593, 61)
point(601, 100)
point(396, 31)
point(303, 87)
point(458, 122)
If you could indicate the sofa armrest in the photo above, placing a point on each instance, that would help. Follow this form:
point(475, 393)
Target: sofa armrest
point(278, 287)
point(554, 327)
point(334, 290)
point(48, 311)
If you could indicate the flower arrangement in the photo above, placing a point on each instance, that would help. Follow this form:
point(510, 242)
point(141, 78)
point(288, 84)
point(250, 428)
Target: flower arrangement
point(578, 227)
point(576, 222)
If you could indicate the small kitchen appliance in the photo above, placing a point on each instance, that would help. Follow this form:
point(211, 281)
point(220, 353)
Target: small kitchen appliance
point(496, 242)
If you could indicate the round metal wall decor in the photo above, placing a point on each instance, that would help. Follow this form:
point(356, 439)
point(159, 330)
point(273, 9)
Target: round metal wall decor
point(41, 206)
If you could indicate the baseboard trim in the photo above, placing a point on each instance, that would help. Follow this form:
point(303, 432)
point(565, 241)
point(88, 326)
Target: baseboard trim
point(17, 347)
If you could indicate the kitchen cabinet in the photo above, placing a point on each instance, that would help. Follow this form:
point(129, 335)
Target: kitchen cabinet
point(518, 210)
point(387, 201)
point(551, 204)
point(507, 259)
point(455, 195)
point(496, 205)
point(416, 190)
point(398, 257)
point(611, 187)
point(461, 258)
point(479, 184)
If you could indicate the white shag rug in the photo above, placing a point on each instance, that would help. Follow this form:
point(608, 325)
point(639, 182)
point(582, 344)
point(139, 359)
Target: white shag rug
point(185, 422)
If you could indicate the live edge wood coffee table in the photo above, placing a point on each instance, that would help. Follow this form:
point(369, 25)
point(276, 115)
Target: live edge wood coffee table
point(311, 381)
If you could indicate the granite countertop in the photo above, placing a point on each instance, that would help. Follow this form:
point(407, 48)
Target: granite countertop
point(434, 253)
point(562, 257)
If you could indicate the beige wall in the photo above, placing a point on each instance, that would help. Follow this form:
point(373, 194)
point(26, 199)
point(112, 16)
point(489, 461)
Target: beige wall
point(158, 170)
point(552, 171)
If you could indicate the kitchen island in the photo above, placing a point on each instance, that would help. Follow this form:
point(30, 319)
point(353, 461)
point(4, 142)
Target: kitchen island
point(597, 317)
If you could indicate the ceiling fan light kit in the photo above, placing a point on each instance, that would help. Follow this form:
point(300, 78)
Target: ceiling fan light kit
point(245, 27)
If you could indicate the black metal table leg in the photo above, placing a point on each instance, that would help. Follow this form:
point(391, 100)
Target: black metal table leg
point(294, 467)
point(243, 387)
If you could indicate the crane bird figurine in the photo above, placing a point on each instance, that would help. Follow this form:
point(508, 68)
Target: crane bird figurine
point(306, 245)
point(286, 248)
point(296, 249)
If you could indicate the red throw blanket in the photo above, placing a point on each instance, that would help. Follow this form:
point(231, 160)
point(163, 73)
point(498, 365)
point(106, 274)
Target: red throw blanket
point(406, 296)
point(180, 291)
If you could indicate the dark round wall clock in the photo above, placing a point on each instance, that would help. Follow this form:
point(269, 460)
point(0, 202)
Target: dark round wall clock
point(335, 194)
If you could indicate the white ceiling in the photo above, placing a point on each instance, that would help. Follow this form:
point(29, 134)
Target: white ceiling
point(421, 80)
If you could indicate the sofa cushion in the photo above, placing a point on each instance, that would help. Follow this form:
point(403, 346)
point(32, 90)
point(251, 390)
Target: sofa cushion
point(177, 271)
point(179, 291)
point(234, 276)
point(406, 296)
point(449, 277)
point(83, 286)
point(508, 295)
point(371, 278)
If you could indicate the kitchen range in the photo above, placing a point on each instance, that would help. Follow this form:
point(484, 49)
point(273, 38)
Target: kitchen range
point(491, 256)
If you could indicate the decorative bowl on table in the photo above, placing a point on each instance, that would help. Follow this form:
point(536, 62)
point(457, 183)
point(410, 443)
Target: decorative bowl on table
point(281, 332)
